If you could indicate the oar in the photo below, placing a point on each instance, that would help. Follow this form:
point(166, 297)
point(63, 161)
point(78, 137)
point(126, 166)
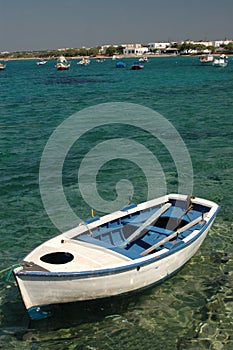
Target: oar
point(148, 222)
point(173, 235)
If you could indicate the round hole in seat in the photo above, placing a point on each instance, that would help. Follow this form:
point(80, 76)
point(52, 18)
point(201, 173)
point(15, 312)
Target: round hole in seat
point(57, 258)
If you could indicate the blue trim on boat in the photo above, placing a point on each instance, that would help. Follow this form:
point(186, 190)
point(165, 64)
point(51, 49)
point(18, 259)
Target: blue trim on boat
point(130, 206)
point(98, 273)
point(88, 221)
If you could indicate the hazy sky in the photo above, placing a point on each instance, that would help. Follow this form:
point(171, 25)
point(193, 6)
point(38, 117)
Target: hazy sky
point(51, 24)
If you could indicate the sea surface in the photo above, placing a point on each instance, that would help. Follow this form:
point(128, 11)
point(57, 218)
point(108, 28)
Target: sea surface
point(193, 309)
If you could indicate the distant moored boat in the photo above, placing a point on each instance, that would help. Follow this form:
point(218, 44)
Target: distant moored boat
point(2, 66)
point(221, 61)
point(62, 63)
point(120, 64)
point(143, 59)
point(206, 58)
point(84, 61)
point(41, 62)
point(137, 65)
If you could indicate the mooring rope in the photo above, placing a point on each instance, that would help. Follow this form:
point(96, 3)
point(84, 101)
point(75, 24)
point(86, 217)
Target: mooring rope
point(10, 270)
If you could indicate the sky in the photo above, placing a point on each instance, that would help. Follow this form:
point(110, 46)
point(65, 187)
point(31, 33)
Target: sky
point(51, 24)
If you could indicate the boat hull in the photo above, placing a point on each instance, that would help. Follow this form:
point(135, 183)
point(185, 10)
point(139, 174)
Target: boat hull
point(71, 287)
point(63, 68)
point(136, 67)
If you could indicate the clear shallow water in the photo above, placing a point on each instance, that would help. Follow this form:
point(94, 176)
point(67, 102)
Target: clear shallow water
point(192, 310)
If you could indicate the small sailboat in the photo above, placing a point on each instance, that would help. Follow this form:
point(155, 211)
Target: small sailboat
point(62, 63)
point(126, 251)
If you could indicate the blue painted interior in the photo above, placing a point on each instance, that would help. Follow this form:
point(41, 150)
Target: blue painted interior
point(114, 233)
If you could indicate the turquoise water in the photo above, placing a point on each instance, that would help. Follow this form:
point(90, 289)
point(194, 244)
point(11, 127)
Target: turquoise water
point(192, 310)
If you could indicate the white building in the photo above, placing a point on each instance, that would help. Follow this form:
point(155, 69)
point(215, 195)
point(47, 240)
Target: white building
point(135, 49)
point(205, 43)
point(218, 43)
point(159, 46)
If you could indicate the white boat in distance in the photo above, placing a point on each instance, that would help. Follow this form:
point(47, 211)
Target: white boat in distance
point(221, 61)
point(41, 62)
point(129, 250)
point(2, 66)
point(84, 61)
point(62, 63)
point(143, 59)
point(206, 58)
point(99, 59)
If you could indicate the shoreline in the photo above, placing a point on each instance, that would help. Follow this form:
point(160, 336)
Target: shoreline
point(90, 57)
point(121, 57)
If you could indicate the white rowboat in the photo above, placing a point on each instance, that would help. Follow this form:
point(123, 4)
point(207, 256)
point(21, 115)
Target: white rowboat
point(131, 249)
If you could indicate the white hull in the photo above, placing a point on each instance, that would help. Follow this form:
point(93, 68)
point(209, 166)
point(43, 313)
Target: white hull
point(69, 289)
point(41, 63)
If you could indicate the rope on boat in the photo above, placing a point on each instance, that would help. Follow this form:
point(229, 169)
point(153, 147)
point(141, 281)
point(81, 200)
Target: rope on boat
point(10, 270)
